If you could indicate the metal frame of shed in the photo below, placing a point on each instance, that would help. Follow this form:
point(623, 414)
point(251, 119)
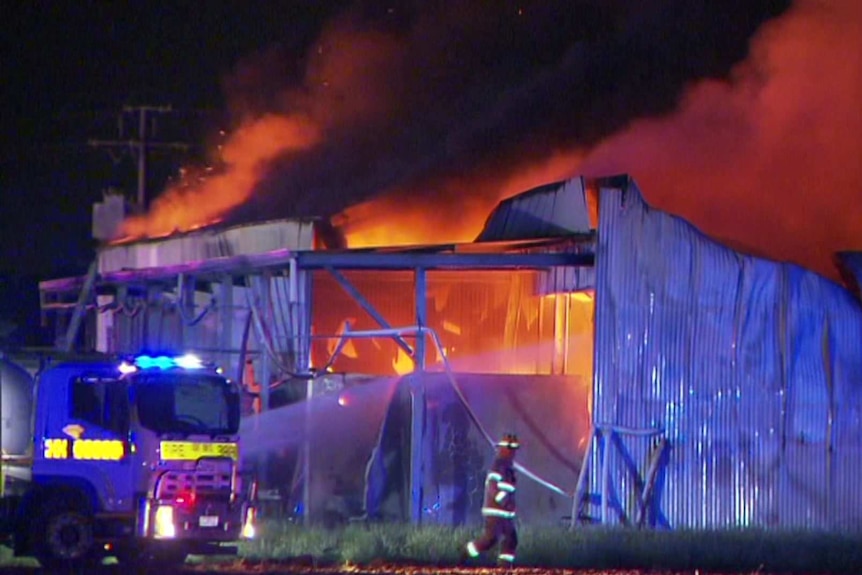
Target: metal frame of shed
point(75, 297)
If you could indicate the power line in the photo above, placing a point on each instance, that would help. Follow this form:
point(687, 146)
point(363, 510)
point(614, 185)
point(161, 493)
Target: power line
point(142, 144)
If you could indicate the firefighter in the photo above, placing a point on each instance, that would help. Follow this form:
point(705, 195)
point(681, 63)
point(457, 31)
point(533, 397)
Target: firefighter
point(498, 508)
point(251, 385)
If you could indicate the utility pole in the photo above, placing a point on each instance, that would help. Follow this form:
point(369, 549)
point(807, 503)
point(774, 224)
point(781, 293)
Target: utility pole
point(140, 146)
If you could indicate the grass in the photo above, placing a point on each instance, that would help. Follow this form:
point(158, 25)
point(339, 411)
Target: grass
point(585, 548)
point(589, 548)
point(8, 559)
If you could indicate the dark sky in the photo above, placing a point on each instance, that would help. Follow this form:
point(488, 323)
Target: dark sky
point(400, 99)
point(69, 67)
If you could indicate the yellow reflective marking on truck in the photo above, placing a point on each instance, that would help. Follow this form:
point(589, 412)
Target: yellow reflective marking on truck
point(98, 449)
point(56, 449)
point(191, 450)
point(85, 449)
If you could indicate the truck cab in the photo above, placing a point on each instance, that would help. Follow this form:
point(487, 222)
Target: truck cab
point(137, 458)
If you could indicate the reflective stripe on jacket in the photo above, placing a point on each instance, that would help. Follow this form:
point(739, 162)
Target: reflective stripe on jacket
point(500, 490)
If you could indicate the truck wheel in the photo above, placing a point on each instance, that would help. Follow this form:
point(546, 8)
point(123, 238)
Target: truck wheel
point(66, 538)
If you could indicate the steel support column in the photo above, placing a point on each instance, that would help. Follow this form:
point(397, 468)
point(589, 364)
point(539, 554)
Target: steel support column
point(299, 307)
point(418, 402)
point(225, 312)
point(258, 294)
point(151, 336)
point(265, 360)
point(186, 300)
point(123, 322)
point(80, 310)
point(421, 317)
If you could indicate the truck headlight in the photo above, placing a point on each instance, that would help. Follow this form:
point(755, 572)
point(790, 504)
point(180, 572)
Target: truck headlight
point(163, 524)
point(248, 528)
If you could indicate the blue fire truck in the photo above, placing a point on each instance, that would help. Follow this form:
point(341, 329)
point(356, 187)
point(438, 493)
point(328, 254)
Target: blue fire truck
point(136, 458)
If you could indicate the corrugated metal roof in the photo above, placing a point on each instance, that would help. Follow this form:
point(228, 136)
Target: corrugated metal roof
point(552, 210)
point(207, 244)
point(751, 367)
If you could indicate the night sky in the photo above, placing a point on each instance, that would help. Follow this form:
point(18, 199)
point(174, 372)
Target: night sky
point(721, 110)
point(68, 68)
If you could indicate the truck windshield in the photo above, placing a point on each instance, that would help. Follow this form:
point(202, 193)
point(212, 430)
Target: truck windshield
point(187, 404)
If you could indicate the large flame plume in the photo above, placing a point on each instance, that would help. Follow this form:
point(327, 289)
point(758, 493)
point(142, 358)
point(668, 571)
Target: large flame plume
point(412, 130)
point(451, 209)
point(765, 160)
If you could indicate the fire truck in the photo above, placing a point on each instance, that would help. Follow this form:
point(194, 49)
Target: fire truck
point(133, 457)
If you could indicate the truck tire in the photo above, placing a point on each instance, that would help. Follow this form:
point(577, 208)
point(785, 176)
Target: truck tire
point(63, 537)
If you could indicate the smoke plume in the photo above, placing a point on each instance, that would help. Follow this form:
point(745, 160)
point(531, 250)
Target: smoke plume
point(768, 159)
point(408, 123)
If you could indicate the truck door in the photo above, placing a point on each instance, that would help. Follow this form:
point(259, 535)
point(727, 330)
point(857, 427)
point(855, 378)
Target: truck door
point(98, 431)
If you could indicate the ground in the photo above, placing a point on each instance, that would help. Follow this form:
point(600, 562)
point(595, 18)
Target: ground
point(274, 568)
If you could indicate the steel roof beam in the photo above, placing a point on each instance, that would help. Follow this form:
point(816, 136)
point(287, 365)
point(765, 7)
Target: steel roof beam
point(344, 260)
point(432, 261)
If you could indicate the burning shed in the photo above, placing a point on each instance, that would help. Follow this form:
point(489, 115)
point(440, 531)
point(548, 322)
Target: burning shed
point(659, 378)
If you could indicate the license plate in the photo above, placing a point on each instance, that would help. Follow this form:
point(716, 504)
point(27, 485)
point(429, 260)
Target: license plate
point(209, 521)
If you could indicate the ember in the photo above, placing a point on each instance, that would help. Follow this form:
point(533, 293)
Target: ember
point(203, 200)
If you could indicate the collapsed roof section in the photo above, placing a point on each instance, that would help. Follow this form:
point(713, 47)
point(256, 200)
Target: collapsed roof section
point(553, 210)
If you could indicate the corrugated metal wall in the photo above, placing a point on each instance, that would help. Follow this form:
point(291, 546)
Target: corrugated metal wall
point(752, 369)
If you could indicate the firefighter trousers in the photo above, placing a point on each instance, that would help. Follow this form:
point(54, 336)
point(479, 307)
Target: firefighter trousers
point(497, 529)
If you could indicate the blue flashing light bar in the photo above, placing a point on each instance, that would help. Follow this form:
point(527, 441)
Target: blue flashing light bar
point(187, 361)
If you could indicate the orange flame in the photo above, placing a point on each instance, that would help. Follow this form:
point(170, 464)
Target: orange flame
point(456, 211)
point(185, 206)
point(348, 349)
point(402, 363)
point(761, 158)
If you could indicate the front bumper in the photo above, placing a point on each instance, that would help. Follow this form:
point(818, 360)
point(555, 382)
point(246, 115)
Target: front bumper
point(204, 520)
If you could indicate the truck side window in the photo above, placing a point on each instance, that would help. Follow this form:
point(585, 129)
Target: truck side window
point(88, 401)
point(103, 403)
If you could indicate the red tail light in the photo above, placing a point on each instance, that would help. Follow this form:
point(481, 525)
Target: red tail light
point(185, 500)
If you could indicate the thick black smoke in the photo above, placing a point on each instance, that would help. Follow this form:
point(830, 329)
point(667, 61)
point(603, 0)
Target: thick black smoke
point(408, 96)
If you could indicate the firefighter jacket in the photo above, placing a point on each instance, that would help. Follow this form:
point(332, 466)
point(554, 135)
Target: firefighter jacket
point(500, 490)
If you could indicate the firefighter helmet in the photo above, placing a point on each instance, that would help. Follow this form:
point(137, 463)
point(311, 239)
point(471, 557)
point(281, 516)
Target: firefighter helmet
point(510, 441)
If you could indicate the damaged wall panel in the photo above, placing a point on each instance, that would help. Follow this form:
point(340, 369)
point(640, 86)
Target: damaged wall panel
point(751, 368)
